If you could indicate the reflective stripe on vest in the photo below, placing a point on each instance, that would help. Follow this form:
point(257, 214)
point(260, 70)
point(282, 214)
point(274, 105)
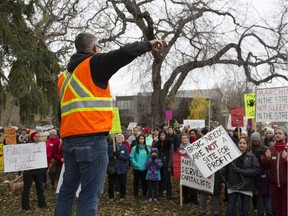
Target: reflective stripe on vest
point(84, 101)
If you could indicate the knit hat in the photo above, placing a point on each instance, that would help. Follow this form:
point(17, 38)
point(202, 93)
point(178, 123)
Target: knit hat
point(236, 130)
point(32, 135)
point(154, 150)
point(271, 130)
point(283, 129)
point(146, 130)
point(255, 136)
point(53, 132)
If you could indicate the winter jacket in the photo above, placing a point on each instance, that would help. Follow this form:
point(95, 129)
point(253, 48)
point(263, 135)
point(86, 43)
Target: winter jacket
point(277, 167)
point(138, 160)
point(51, 144)
point(240, 173)
point(118, 161)
point(165, 153)
point(153, 169)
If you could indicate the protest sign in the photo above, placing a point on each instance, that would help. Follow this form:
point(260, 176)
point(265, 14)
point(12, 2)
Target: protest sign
point(1, 158)
point(24, 157)
point(194, 124)
point(169, 115)
point(132, 125)
point(229, 126)
point(116, 125)
point(192, 177)
point(272, 105)
point(250, 104)
point(213, 151)
point(237, 117)
point(10, 135)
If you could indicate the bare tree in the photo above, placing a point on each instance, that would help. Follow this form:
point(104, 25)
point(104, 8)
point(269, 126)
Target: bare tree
point(198, 34)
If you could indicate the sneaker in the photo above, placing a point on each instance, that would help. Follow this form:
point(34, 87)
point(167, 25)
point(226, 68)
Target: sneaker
point(111, 200)
point(155, 200)
point(150, 199)
point(122, 199)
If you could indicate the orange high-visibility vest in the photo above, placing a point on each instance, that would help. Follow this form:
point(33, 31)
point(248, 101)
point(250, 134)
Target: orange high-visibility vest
point(85, 108)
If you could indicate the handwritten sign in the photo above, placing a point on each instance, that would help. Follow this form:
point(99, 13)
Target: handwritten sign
point(10, 135)
point(192, 177)
point(272, 105)
point(116, 125)
point(24, 157)
point(250, 104)
point(198, 123)
point(213, 151)
point(237, 117)
point(132, 125)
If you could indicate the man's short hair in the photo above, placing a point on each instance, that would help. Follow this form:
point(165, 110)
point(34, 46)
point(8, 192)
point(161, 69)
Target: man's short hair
point(84, 42)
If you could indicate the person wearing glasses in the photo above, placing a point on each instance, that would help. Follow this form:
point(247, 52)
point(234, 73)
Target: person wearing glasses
point(86, 118)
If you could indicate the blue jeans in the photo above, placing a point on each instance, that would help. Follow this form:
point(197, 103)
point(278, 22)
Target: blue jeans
point(86, 160)
point(232, 199)
point(264, 202)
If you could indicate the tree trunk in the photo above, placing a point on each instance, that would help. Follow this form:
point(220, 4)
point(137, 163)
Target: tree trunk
point(158, 108)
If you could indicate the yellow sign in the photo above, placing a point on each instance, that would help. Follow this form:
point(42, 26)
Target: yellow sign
point(116, 125)
point(1, 158)
point(250, 104)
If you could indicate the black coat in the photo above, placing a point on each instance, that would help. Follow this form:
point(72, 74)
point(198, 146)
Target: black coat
point(239, 174)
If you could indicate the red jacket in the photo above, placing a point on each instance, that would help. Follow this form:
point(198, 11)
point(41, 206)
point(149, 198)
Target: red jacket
point(277, 167)
point(51, 145)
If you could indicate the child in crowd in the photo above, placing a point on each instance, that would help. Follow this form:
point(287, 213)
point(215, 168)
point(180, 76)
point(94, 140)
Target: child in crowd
point(153, 176)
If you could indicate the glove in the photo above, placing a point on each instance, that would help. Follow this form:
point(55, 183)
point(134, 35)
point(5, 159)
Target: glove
point(153, 157)
point(237, 170)
point(116, 153)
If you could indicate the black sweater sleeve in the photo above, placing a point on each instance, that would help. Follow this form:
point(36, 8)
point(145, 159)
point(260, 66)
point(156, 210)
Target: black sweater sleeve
point(104, 65)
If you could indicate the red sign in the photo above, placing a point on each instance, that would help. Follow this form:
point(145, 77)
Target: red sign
point(237, 117)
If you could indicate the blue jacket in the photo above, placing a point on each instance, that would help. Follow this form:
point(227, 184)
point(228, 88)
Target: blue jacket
point(119, 163)
point(138, 160)
point(153, 173)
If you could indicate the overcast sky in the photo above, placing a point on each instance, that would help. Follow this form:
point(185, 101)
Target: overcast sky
point(126, 82)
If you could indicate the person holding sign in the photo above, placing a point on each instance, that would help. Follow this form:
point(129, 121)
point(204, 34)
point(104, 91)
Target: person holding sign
point(239, 175)
point(86, 116)
point(275, 160)
point(35, 175)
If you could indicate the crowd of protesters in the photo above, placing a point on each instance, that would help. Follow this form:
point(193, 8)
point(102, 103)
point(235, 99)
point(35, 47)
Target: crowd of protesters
point(258, 177)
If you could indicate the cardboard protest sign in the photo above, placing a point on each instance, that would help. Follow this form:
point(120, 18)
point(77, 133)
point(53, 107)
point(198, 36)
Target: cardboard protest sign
point(213, 151)
point(10, 135)
point(272, 105)
point(116, 125)
point(194, 123)
point(250, 104)
point(237, 117)
point(192, 177)
point(1, 158)
point(24, 157)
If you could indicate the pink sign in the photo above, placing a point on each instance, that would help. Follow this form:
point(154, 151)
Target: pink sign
point(168, 115)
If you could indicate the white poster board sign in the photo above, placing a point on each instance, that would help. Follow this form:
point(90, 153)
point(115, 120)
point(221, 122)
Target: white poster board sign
point(213, 151)
point(192, 177)
point(60, 181)
point(272, 105)
point(194, 124)
point(132, 125)
point(21, 157)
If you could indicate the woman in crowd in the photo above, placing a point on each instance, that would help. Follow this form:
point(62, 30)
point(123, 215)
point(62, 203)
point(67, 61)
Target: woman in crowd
point(139, 155)
point(35, 175)
point(165, 149)
point(239, 175)
point(117, 167)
